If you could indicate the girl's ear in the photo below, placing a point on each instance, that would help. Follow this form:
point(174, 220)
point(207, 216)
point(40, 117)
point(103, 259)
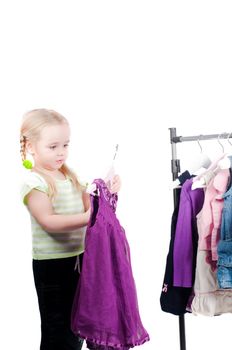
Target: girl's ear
point(30, 148)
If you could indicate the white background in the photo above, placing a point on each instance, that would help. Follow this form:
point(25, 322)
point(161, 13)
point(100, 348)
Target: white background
point(121, 72)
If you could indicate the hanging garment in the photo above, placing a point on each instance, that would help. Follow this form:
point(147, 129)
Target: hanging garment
point(186, 236)
point(224, 273)
point(173, 299)
point(105, 310)
point(209, 219)
point(184, 176)
point(209, 300)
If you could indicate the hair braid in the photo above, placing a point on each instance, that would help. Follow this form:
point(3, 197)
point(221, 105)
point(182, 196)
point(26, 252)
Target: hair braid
point(23, 147)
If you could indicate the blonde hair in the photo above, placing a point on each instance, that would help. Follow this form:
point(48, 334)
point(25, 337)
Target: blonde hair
point(32, 124)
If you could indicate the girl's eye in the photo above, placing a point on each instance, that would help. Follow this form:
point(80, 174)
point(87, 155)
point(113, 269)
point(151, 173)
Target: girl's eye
point(53, 147)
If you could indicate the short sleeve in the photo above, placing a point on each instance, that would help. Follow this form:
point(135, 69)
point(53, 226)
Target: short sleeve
point(32, 181)
point(82, 182)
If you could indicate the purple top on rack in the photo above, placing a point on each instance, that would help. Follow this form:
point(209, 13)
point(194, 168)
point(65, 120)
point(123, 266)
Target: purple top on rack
point(105, 309)
point(186, 236)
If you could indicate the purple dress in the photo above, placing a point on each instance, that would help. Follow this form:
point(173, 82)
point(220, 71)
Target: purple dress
point(105, 309)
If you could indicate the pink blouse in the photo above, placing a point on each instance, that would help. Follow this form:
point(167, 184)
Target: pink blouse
point(209, 218)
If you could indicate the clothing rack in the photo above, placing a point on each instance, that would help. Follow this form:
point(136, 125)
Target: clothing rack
point(175, 168)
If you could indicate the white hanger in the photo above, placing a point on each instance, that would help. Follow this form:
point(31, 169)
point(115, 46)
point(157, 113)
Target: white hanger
point(198, 166)
point(223, 162)
point(111, 172)
point(92, 188)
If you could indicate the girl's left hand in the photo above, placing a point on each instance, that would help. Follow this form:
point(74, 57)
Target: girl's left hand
point(115, 184)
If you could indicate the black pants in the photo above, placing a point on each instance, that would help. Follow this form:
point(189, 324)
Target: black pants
point(56, 282)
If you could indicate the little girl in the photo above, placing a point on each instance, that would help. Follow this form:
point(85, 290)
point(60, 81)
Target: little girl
point(59, 209)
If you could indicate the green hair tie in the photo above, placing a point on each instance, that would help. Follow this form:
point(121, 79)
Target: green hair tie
point(27, 164)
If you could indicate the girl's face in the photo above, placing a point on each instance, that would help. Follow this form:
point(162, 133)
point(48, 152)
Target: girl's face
point(51, 150)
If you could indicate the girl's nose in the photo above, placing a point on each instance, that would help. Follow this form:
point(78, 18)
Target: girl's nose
point(61, 152)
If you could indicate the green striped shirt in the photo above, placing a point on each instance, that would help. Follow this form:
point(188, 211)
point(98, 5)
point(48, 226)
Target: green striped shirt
point(68, 200)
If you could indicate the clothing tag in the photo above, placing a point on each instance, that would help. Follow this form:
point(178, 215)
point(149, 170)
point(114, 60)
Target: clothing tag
point(92, 189)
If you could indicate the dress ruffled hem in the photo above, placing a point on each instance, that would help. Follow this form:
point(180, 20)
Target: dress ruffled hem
point(103, 345)
point(212, 304)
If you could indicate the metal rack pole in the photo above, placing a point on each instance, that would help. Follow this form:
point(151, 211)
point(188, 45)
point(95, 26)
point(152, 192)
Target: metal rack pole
point(175, 139)
point(175, 168)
